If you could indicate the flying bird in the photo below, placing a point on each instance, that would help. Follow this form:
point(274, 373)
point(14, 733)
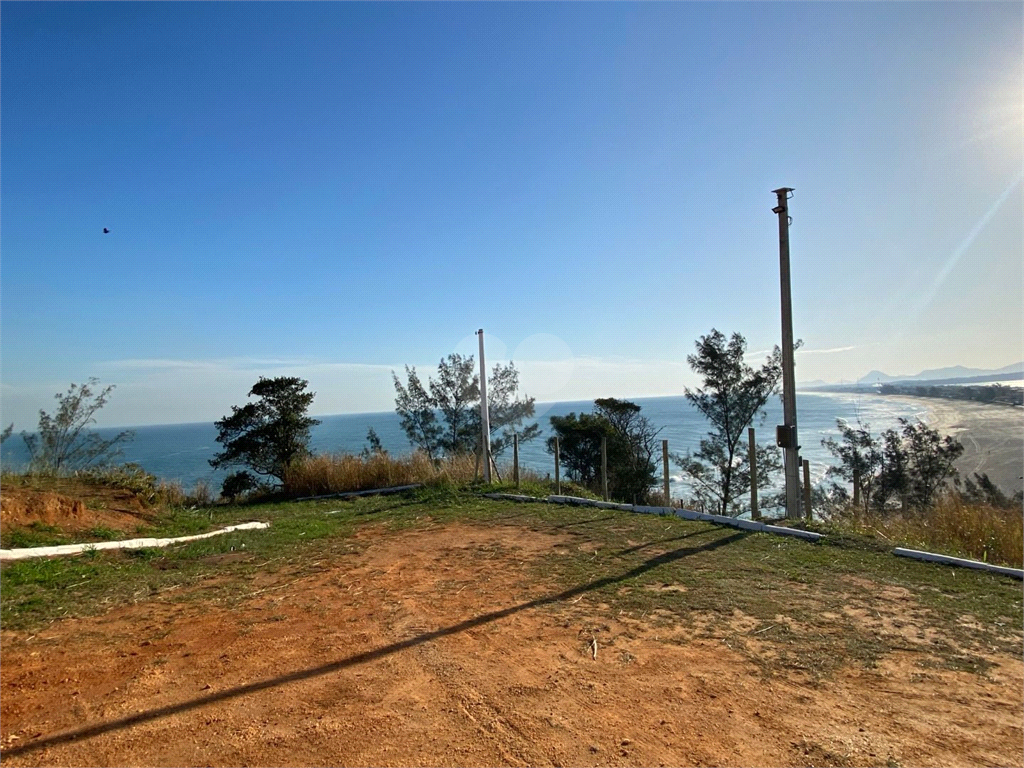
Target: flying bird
point(106, 231)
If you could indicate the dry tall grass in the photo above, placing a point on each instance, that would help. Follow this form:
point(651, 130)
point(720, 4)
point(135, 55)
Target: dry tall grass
point(980, 531)
point(343, 472)
point(173, 494)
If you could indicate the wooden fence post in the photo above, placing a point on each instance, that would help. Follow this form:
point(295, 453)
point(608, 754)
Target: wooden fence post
point(558, 480)
point(515, 458)
point(664, 460)
point(604, 468)
point(807, 488)
point(755, 513)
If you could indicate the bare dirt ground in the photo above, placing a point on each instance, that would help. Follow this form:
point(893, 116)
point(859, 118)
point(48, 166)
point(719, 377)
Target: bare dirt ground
point(72, 507)
point(429, 647)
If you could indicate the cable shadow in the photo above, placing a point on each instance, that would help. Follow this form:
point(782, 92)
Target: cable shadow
point(638, 547)
point(366, 656)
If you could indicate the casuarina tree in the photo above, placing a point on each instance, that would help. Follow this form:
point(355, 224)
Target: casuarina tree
point(733, 396)
point(443, 417)
point(64, 441)
point(908, 465)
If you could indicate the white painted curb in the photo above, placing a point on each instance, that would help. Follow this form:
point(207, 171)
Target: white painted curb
point(77, 549)
point(753, 525)
point(686, 514)
point(932, 557)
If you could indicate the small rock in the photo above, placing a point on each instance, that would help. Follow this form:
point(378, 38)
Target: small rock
point(594, 748)
point(626, 742)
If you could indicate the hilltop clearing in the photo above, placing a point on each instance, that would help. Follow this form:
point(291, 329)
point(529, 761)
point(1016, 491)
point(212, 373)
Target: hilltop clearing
point(439, 628)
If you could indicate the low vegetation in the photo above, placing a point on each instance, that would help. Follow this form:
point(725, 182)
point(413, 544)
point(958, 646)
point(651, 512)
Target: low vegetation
point(950, 525)
point(343, 472)
point(620, 560)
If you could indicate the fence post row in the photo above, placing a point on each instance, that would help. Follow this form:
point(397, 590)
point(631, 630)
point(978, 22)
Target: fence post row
point(515, 458)
point(755, 513)
point(604, 468)
point(558, 479)
point(664, 461)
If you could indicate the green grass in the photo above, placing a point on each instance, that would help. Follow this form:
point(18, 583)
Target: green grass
point(786, 586)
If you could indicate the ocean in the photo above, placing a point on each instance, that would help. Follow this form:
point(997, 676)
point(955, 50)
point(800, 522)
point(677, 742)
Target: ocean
point(181, 452)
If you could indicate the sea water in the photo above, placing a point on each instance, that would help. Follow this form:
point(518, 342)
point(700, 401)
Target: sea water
point(181, 452)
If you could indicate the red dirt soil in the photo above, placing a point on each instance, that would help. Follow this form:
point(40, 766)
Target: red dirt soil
point(339, 668)
point(75, 508)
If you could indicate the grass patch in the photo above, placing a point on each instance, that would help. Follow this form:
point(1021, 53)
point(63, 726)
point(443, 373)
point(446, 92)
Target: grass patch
point(806, 607)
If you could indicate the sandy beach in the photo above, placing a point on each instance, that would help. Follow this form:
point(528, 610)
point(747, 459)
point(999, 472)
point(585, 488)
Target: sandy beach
point(992, 436)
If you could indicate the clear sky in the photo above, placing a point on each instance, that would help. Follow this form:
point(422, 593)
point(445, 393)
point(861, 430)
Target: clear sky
point(333, 190)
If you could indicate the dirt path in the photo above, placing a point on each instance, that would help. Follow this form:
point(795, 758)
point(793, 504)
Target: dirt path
point(432, 648)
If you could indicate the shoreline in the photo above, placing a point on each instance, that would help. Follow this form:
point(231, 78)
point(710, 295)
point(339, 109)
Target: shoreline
point(992, 436)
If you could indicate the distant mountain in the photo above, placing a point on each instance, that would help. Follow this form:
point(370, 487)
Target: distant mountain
point(934, 374)
point(877, 377)
point(1015, 368)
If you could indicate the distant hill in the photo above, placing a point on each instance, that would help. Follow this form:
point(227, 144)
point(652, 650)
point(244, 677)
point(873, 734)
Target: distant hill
point(876, 377)
point(939, 374)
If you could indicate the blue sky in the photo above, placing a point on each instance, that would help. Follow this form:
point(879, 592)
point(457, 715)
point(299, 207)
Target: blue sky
point(333, 190)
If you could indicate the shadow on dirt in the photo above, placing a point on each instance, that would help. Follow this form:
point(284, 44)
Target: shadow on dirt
point(366, 657)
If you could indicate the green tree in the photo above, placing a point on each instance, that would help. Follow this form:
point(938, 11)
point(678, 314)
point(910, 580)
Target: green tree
point(910, 463)
point(916, 461)
point(415, 406)
point(733, 396)
point(455, 396)
point(268, 435)
point(981, 490)
point(238, 484)
point(63, 441)
point(6, 433)
point(579, 444)
point(633, 471)
point(506, 411)
point(631, 440)
point(373, 445)
point(858, 453)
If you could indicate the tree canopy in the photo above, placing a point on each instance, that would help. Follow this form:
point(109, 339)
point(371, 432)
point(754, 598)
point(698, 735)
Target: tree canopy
point(909, 464)
point(733, 395)
point(632, 442)
point(268, 435)
point(443, 417)
point(63, 441)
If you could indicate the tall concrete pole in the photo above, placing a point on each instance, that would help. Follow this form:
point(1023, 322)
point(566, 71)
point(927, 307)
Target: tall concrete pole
point(789, 440)
point(485, 420)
